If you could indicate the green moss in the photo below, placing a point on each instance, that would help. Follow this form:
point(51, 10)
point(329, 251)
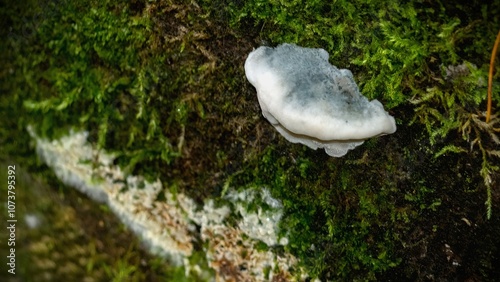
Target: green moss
point(129, 93)
point(335, 224)
point(388, 44)
point(162, 85)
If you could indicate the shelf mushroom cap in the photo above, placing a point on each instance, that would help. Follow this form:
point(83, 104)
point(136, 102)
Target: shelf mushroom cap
point(312, 102)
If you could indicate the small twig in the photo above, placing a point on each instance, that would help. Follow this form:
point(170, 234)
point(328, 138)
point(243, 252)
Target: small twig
point(490, 76)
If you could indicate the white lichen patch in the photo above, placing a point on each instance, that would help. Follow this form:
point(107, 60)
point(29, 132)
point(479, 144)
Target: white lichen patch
point(162, 225)
point(168, 226)
point(232, 251)
point(261, 224)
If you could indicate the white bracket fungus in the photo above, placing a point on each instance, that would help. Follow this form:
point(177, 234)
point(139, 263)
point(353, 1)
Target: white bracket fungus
point(312, 102)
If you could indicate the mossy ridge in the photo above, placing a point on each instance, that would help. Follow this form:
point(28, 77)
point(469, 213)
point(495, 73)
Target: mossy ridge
point(243, 138)
point(151, 102)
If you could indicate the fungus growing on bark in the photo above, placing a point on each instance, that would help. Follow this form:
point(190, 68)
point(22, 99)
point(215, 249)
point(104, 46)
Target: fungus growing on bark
point(312, 102)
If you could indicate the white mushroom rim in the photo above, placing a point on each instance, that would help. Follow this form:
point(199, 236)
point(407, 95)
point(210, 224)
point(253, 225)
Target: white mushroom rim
point(312, 102)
